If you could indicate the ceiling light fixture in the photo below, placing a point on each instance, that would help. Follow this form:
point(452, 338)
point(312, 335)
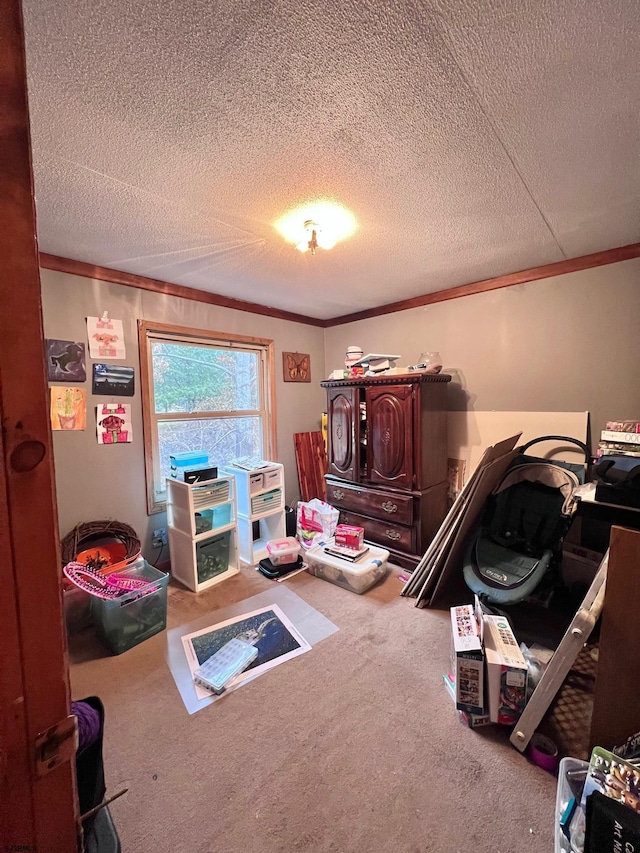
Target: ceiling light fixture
point(314, 238)
point(317, 225)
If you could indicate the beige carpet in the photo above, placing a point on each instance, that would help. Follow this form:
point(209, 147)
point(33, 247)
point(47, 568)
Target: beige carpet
point(354, 747)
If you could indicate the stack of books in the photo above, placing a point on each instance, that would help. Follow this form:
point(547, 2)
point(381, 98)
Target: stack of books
point(620, 438)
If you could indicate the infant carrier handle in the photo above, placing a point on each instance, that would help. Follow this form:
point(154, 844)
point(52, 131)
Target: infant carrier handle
point(563, 438)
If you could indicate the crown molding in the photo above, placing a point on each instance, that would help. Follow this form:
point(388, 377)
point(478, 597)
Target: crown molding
point(584, 262)
point(68, 265)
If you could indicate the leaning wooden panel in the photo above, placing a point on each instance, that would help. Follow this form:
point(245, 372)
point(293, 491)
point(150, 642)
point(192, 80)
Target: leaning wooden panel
point(311, 459)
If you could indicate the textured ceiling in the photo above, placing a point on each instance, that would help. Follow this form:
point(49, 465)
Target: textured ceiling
point(470, 138)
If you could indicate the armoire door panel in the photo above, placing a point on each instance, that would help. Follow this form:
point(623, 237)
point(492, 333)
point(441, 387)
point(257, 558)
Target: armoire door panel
point(344, 420)
point(390, 444)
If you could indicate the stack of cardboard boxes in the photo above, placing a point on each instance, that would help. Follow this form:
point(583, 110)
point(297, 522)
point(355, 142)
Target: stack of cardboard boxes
point(488, 679)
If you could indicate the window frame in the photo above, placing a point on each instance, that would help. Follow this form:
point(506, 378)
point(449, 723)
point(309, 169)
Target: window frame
point(147, 332)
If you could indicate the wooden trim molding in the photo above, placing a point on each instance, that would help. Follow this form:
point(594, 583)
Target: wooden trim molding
point(127, 279)
point(585, 262)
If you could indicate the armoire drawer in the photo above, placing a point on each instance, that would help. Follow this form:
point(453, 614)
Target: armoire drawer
point(382, 532)
point(397, 508)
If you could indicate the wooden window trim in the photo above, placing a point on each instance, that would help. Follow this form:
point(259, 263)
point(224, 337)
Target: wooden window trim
point(146, 377)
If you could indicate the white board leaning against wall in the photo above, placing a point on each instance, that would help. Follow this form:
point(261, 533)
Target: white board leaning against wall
point(469, 433)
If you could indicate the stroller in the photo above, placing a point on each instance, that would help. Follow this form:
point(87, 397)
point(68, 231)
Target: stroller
point(522, 525)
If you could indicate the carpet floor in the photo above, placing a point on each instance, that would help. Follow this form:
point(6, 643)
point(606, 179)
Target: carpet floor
point(354, 747)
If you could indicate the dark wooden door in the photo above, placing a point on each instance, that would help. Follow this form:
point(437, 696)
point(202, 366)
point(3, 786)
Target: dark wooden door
point(390, 435)
point(37, 797)
point(344, 424)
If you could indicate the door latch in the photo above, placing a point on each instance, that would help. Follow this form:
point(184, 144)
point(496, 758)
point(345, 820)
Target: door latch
point(56, 745)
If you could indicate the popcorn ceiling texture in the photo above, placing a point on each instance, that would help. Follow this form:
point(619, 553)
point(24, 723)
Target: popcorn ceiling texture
point(470, 138)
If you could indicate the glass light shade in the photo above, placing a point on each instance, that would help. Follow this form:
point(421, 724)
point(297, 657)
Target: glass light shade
point(332, 223)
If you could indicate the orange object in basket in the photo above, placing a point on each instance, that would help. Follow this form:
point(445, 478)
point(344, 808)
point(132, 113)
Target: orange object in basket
point(115, 554)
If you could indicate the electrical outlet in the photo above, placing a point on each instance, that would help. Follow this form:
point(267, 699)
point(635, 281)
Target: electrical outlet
point(159, 537)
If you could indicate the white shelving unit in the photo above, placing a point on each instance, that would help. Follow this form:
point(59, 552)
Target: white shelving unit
point(260, 505)
point(203, 534)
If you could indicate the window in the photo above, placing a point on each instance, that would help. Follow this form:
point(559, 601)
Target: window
point(203, 391)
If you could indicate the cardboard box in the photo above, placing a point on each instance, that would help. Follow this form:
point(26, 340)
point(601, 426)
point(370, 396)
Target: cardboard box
point(475, 721)
point(467, 658)
point(506, 685)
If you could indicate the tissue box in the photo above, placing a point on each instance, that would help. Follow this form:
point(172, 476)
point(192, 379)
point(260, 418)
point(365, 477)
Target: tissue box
point(349, 536)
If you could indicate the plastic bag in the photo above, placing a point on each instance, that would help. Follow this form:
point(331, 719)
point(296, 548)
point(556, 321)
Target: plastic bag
point(316, 522)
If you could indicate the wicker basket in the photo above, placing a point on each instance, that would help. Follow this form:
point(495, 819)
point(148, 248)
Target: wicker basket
point(80, 538)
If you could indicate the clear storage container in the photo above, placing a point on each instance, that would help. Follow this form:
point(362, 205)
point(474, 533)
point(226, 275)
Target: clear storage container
point(282, 552)
point(77, 609)
point(125, 621)
point(358, 576)
point(566, 789)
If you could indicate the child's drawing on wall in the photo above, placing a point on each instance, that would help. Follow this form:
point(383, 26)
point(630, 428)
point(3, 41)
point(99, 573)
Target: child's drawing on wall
point(106, 337)
point(68, 409)
point(113, 423)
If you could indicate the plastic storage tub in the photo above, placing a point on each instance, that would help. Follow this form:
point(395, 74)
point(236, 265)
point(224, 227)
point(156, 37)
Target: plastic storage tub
point(77, 609)
point(565, 792)
point(125, 621)
point(358, 576)
point(212, 556)
point(282, 552)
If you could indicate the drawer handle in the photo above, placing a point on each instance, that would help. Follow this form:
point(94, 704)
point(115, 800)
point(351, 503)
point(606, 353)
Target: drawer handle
point(393, 535)
point(338, 494)
point(387, 506)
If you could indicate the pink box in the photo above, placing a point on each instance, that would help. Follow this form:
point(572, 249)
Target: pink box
point(349, 536)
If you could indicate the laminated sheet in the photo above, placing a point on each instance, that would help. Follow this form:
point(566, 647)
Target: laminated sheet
point(311, 624)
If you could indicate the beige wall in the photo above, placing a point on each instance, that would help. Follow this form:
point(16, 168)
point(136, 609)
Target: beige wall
point(563, 344)
point(568, 343)
point(95, 481)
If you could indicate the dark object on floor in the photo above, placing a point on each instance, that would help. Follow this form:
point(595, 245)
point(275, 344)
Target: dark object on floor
point(611, 825)
point(618, 481)
point(103, 837)
point(272, 572)
point(100, 835)
point(290, 521)
point(89, 766)
point(523, 524)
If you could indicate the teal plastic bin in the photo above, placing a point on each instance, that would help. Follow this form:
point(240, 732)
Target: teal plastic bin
point(123, 622)
point(212, 519)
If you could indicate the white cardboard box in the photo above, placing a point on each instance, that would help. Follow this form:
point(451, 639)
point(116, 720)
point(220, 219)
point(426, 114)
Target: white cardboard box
point(506, 671)
point(467, 658)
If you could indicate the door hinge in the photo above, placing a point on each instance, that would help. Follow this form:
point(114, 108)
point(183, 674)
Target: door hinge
point(56, 745)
